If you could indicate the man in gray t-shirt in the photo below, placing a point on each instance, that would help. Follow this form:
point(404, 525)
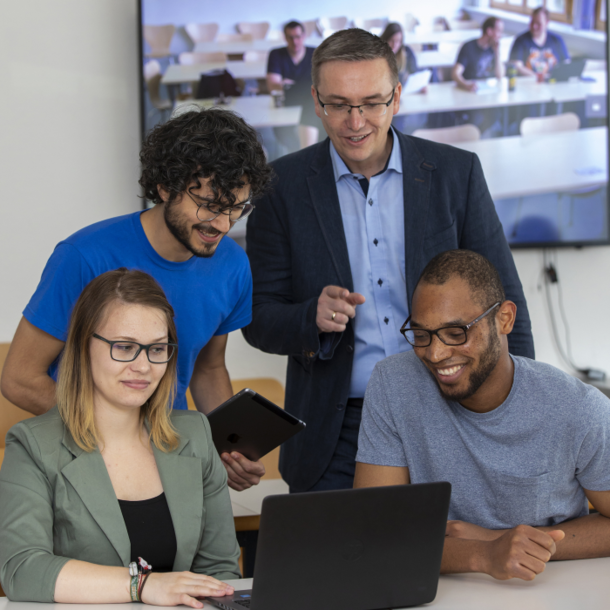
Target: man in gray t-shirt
point(524, 445)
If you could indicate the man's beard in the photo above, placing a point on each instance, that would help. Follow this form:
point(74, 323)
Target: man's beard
point(487, 363)
point(182, 231)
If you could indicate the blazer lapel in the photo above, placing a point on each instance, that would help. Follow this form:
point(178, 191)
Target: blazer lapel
point(182, 479)
point(325, 201)
point(417, 178)
point(88, 475)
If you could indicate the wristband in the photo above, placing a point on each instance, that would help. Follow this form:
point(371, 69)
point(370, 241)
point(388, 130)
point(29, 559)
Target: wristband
point(142, 583)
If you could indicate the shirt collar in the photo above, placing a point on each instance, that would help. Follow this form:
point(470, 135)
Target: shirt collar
point(394, 162)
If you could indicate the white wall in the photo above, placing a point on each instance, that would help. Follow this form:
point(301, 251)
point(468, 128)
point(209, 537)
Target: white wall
point(69, 141)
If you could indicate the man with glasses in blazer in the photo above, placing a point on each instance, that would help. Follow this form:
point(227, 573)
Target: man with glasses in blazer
point(337, 246)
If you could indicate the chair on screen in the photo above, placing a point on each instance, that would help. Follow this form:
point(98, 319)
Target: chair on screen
point(375, 26)
point(312, 28)
point(152, 78)
point(159, 38)
point(568, 121)
point(332, 24)
point(201, 32)
point(258, 31)
point(189, 59)
point(411, 22)
point(450, 135)
point(256, 55)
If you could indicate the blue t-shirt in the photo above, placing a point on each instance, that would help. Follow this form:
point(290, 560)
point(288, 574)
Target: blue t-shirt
point(540, 59)
point(525, 462)
point(478, 62)
point(210, 296)
point(280, 62)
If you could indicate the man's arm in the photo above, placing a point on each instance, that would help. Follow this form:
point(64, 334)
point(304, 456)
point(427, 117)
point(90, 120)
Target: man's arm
point(25, 378)
point(211, 386)
point(462, 83)
point(274, 82)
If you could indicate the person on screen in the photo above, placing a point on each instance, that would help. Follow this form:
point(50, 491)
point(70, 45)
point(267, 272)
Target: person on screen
point(524, 445)
point(480, 58)
point(341, 240)
point(407, 65)
point(537, 51)
point(113, 474)
point(201, 170)
point(292, 63)
point(477, 61)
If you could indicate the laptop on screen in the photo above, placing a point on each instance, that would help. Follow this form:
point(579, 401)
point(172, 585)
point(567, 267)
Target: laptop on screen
point(355, 549)
point(567, 69)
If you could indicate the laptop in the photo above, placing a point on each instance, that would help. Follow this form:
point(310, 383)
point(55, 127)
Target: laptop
point(567, 69)
point(356, 549)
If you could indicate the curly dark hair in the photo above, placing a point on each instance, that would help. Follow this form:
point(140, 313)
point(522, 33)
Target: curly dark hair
point(213, 143)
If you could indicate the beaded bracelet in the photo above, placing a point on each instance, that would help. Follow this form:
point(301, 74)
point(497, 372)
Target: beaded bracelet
point(138, 574)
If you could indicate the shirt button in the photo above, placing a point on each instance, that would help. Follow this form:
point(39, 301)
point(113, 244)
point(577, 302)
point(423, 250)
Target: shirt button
point(375, 241)
point(370, 202)
point(380, 281)
point(340, 407)
point(386, 320)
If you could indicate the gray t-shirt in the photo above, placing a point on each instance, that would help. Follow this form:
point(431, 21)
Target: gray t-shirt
point(525, 462)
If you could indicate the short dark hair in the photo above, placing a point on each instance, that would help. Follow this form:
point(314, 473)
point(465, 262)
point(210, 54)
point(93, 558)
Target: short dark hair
point(352, 45)
point(294, 24)
point(543, 10)
point(490, 22)
point(212, 143)
point(481, 276)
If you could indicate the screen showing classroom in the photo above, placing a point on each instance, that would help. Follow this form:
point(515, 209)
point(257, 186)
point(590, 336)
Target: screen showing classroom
point(539, 126)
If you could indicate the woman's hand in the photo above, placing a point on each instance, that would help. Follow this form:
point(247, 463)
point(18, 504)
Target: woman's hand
point(175, 588)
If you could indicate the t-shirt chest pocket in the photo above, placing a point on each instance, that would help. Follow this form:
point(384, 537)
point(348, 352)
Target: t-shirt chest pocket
point(522, 500)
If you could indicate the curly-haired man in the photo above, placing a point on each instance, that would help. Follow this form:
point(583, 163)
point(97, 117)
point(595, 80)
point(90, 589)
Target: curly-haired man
point(202, 170)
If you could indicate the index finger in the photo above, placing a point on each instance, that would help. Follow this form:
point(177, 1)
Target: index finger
point(542, 539)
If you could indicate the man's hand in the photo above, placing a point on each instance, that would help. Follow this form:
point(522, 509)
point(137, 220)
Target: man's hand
point(242, 472)
point(521, 552)
point(470, 85)
point(470, 531)
point(339, 302)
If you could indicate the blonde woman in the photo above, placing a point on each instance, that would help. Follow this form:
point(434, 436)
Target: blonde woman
point(112, 473)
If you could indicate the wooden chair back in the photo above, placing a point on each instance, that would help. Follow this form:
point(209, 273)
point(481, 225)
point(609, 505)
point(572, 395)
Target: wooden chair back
point(201, 32)
point(234, 38)
point(258, 31)
point(312, 28)
point(159, 38)
point(568, 121)
point(256, 56)
point(450, 135)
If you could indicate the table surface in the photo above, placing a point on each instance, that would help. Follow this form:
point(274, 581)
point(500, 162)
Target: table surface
point(447, 96)
point(178, 73)
point(564, 585)
point(257, 111)
point(512, 165)
point(240, 46)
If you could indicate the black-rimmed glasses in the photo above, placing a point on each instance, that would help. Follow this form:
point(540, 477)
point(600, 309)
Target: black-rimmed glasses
point(208, 210)
point(128, 351)
point(372, 110)
point(449, 335)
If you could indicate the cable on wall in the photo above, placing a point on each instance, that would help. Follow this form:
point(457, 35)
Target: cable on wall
point(551, 277)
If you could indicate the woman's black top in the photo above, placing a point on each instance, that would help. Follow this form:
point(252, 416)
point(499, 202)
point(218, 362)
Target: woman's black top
point(151, 531)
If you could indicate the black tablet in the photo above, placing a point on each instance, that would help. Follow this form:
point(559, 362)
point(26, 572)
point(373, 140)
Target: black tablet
point(251, 424)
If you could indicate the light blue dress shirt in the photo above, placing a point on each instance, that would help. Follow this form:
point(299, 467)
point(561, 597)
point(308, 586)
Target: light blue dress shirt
point(374, 228)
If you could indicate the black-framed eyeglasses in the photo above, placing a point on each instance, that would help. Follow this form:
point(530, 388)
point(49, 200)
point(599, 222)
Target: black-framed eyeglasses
point(373, 110)
point(128, 351)
point(208, 210)
point(449, 335)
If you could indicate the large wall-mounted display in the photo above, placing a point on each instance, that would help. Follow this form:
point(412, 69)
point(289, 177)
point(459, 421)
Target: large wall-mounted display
point(527, 94)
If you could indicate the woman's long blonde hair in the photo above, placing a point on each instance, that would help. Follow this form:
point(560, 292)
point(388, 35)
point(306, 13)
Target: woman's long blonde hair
point(75, 382)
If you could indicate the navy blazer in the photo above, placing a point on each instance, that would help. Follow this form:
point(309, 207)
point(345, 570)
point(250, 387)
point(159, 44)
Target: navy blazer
point(297, 246)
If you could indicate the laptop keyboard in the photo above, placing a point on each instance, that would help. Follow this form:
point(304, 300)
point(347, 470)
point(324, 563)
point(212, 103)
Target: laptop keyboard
point(242, 602)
